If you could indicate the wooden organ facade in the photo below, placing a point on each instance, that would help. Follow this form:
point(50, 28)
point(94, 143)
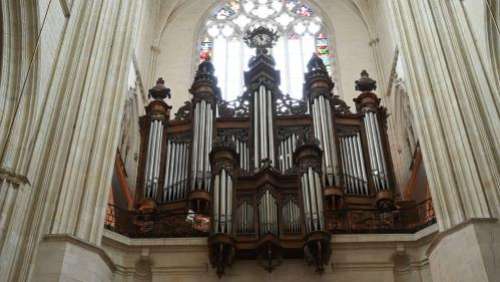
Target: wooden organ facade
point(266, 176)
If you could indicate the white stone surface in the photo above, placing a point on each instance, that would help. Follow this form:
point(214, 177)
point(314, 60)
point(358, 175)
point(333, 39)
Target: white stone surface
point(467, 253)
point(359, 257)
point(65, 258)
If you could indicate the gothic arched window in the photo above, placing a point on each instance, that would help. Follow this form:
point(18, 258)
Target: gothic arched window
point(301, 34)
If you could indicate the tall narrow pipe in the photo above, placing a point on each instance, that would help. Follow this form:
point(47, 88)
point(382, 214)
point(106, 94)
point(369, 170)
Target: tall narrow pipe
point(223, 188)
point(217, 199)
point(270, 134)
point(312, 194)
point(194, 163)
point(319, 195)
point(229, 202)
point(380, 145)
point(256, 132)
point(363, 169)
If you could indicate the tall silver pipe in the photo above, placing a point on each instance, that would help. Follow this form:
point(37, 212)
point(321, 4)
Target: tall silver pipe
point(194, 162)
point(153, 157)
point(229, 202)
point(312, 194)
point(182, 159)
point(345, 166)
point(208, 142)
point(158, 158)
point(262, 122)
point(333, 145)
point(167, 172)
point(175, 168)
point(363, 168)
point(356, 164)
point(223, 188)
point(148, 159)
point(324, 133)
point(270, 128)
point(319, 195)
point(371, 152)
point(343, 160)
point(256, 137)
point(171, 177)
point(378, 154)
point(216, 203)
point(352, 163)
point(307, 206)
point(380, 145)
point(201, 140)
point(183, 171)
point(350, 166)
point(186, 171)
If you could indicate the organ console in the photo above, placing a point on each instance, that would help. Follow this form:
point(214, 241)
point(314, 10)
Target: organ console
point(268, 171)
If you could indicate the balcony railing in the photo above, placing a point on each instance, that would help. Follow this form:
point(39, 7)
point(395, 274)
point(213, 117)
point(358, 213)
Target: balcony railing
point(159, 225)
point(402, 220)
point(342, 221)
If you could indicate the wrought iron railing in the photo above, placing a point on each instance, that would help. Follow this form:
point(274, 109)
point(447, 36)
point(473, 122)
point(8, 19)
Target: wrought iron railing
point(401, 220)
point(157, 225)
point(343, 221)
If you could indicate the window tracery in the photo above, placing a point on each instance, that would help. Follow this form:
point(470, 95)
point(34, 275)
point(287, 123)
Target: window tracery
point(301, 32)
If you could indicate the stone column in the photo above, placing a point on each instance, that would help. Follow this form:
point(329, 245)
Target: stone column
point(78, 138)
point(456, 110)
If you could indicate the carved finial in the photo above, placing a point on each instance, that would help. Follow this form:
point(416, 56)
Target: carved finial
point(316, 63)
point(159, 91)
point(206, 67)
point(365, 83)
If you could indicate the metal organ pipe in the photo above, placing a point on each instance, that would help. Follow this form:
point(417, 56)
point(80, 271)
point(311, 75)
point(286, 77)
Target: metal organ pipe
point(371, 151)
point(317, 182)
point(355, 162)
point(223, 200)
point(362, 162)
point(379, 144)
point(200, 173)
point(194, 162)
point(256, 131)
point(261, 126)
point(270, 129)
point(229, 202)
point(216, 203)
point(312, 195)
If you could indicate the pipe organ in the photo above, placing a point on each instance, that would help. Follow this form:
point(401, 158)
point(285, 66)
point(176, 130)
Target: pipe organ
point(266, 171)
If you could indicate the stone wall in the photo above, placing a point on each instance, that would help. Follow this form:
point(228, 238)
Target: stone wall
point(368, 257)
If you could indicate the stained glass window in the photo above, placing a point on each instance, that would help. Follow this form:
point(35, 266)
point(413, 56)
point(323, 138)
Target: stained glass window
point(301, 34)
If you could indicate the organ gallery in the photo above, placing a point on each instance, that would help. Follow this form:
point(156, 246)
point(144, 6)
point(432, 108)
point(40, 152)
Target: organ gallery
point(267, 177)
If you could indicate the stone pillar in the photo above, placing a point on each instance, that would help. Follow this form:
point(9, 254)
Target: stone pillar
point(78, 138)
point(456, 111)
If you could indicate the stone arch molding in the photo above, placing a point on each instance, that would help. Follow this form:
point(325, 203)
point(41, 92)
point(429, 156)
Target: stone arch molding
point(18, 81)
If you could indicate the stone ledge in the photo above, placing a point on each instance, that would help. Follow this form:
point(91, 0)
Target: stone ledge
point(197, 243)
point(81, 243)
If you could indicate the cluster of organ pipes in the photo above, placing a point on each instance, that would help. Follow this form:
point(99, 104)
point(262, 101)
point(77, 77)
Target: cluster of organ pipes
point(268, 213)
point(153, 158)
point(263, 126)
point(286, 149)
point(223, 202)
point(202, 145)
point(176, 171)
point(244, 152)
point(265, 172)
point(378, 164)
point(323, 131)
point(353, 165)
